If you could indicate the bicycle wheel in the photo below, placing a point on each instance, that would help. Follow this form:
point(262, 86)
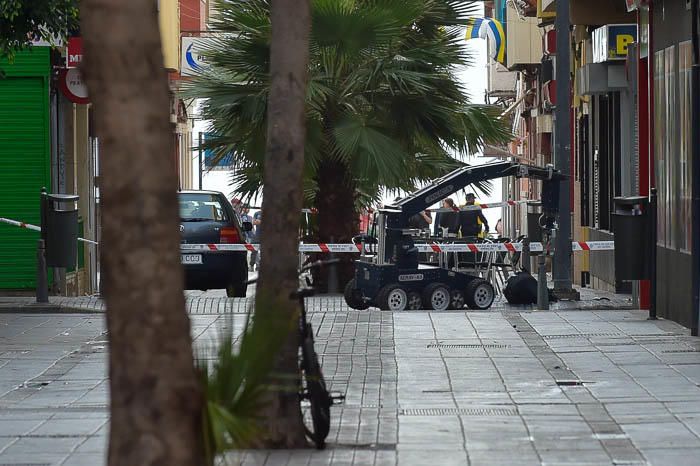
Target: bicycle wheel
point(316, 393)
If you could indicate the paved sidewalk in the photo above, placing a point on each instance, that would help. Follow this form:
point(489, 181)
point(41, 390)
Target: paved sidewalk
point(423, 388)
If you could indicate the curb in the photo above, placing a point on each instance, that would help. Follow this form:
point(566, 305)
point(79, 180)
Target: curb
point(44, 308)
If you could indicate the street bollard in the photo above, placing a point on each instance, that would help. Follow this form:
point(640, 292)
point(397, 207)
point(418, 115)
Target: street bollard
point(542, 290)
point(42, 280)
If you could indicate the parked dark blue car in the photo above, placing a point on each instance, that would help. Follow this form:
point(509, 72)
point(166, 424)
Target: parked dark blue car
point(207, 217)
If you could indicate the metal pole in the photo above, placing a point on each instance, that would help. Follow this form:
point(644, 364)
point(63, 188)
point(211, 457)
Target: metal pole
point(695, 257)
point(542, 289)
point(525, 256)
point(561, 267)
point(42, 280)
point(199, 159)
point(652, 272)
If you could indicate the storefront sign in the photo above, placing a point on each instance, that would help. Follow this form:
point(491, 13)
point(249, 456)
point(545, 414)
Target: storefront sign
point(74, 52)
point(73, 87)
point(611, 42)
point(192, 60)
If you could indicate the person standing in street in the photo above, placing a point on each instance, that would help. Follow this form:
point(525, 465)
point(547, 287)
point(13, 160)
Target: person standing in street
point(470, 221)
point(246, 217)
point(255, 255)
point(448, 220)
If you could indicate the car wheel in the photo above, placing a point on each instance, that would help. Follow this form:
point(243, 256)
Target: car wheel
point(479, 294)
point(392, 298)
point(436, 296)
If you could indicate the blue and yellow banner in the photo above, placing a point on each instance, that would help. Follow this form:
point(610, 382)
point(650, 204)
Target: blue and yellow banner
point(491, 29)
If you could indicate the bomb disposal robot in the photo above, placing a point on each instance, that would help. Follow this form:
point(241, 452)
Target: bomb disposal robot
point(393, 280)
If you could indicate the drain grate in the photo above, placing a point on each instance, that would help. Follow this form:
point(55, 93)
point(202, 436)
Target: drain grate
point(581, 335)
point(25, 464)
point(682, 351)
point(466, 346)
point(458, 412)
point(570, 383)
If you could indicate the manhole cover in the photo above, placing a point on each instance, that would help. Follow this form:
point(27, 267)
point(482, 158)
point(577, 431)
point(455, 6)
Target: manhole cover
point(581, 335)
point(458, 412)
point(465, 346)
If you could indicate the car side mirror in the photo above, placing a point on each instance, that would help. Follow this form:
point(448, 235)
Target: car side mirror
point(247, 226)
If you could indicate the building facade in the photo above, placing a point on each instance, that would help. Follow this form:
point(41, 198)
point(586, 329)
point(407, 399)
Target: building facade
point(47, 139)
point(630, 125)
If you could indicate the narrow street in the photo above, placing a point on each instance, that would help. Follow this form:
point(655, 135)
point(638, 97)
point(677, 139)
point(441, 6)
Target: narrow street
point(499, 387)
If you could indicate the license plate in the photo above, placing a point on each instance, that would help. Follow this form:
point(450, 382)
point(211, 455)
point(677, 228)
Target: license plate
point(191, 258)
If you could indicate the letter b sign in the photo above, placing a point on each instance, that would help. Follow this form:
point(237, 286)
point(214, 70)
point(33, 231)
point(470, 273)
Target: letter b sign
point(622, 43)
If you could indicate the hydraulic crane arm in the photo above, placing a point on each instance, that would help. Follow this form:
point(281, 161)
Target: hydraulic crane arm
point(463, 177)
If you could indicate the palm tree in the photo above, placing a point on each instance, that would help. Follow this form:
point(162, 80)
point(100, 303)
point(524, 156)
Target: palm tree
point(385, 109)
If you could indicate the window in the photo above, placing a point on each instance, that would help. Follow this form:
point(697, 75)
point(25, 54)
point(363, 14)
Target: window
point(685, 61)
point(672, 136)
point(201, 207)
point(671, 148)
point(660, 144)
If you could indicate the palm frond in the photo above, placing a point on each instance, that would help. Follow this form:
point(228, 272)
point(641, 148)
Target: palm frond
point(383, 94)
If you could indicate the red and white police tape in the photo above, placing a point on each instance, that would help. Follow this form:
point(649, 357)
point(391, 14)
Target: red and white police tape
point(29, 226)
point(422, 247)
point(356, 248)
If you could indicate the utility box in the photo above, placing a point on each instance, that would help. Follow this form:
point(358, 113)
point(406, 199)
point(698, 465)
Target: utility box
point(59, 229)
point(633, 246)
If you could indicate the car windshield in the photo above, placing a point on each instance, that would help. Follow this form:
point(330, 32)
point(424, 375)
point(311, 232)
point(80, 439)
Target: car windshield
point(201, 208)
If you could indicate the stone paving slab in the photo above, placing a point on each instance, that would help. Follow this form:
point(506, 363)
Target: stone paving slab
point(463, 388)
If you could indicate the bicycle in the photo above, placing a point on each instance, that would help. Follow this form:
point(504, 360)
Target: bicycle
point(313, 389)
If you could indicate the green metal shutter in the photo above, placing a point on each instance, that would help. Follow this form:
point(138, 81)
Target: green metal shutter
point(25, 163)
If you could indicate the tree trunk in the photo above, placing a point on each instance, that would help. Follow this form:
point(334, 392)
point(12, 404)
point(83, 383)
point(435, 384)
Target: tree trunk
point(338, 221)
point(156, 400)
point(282, 201)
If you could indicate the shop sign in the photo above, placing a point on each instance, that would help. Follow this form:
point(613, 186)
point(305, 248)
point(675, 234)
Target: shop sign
point(74, 52)
point(192, 60)
point(611, 42)
point(72, 85)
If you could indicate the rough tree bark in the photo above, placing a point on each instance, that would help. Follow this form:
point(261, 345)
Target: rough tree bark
point(337, 218)
point(282, 201)
point(156, 400)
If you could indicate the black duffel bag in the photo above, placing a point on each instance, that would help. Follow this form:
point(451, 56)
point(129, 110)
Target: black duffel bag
point(521, 288)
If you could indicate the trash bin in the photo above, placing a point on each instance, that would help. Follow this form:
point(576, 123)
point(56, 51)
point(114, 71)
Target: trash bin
point(534, 230)
point(633, 248)
point(59, 229)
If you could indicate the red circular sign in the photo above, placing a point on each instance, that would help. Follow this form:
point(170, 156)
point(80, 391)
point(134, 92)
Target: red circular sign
point(72, 85)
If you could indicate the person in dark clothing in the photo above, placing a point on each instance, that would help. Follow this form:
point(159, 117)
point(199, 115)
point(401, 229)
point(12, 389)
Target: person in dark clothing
point(470, 220)
point(449, 220)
